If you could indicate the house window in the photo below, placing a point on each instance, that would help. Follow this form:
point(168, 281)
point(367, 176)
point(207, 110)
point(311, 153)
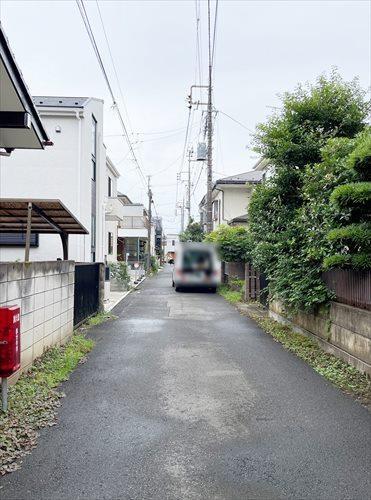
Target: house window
point(173, 243)
point(18, 239)
point(110, 243)
point(109, 186)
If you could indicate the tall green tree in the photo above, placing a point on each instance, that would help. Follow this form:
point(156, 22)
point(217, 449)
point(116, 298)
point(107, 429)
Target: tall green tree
point(193, 232)
point(290, 215)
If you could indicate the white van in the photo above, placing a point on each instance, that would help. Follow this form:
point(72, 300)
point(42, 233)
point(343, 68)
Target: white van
point(196, 266)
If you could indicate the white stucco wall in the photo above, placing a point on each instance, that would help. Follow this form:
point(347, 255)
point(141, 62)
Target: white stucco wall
point(233, 203)
point(62, 171)
point(169, 246)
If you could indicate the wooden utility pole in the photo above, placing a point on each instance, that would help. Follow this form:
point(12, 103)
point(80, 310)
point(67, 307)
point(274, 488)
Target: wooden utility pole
point(209, 218)
point(149, 225)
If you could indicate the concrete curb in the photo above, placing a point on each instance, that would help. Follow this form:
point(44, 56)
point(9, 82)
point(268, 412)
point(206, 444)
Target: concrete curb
point(125, 295)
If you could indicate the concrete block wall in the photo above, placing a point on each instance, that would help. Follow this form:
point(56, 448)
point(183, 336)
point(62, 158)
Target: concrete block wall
point(342, 330)
point(44, 291)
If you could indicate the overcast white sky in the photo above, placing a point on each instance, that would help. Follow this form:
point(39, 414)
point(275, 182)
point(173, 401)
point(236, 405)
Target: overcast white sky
point(263, 48)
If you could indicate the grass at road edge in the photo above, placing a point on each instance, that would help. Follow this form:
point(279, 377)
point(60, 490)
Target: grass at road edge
point(34, 400)
point(337, 371)
point(232, 296)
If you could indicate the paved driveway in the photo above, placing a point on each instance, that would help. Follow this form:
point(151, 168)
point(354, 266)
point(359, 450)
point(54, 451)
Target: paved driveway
point(184, 398)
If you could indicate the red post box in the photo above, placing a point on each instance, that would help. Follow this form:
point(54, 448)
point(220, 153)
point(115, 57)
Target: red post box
point(10, 340)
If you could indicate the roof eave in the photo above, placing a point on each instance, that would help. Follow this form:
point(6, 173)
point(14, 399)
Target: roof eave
point(21, 88)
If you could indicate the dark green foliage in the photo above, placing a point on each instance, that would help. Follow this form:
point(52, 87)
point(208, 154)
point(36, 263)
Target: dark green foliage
point(352, 202)
point(354, 236)
point(194, 232)
point(311, 115)
point(234, 244)
point(290, 215)
point(360, 159)
point(337, 260)
point(357, 261)
point(355, 196)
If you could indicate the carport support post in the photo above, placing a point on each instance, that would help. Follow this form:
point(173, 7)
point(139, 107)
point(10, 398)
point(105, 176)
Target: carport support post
point(64, 238)
point(28, 232)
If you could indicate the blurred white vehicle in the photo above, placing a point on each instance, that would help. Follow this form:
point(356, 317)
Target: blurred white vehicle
point(196, 266)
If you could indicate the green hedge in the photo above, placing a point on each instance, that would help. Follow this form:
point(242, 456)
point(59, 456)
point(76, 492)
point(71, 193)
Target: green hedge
point(360, 159)
point(360, 261)
point(354, 235)
point(356, 195)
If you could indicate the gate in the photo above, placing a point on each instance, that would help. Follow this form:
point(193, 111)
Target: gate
point(86, 300)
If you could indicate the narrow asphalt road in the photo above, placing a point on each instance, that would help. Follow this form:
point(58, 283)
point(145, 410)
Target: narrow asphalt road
point(183, 398)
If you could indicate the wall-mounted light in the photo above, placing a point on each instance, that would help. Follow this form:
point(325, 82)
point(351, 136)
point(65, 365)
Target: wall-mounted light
point(58, 129)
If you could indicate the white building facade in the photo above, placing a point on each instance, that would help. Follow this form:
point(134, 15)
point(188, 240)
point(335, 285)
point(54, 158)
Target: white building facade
point(171, 241)
point(73, 170)
point(230, 199)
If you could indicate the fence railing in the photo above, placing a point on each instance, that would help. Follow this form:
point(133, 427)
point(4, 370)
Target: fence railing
point(351, 287)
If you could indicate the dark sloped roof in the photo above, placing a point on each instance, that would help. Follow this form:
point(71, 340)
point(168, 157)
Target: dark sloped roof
point(251, 176)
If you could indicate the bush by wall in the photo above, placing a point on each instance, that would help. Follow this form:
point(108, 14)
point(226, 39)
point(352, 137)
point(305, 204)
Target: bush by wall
point(310, 143)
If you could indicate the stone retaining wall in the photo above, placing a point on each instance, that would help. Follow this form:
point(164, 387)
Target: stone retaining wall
point(342, 330)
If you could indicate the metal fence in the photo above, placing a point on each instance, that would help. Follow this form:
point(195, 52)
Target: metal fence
point(350, 286)
point(86, 301)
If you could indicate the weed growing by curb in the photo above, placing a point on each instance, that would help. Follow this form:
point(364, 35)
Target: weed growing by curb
point(231, 296)
point(337, 371)
point(34, 400)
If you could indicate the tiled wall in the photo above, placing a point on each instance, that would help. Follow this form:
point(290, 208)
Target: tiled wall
point(45, 293)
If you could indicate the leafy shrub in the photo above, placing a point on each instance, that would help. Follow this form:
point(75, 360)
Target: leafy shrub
point(354, 235)
point(355, 196)
point(309, 143)
point(357, 261)
point(154, 264)
point(119, 271)
point(233, 243)
point(360, 158)
point(193, 232)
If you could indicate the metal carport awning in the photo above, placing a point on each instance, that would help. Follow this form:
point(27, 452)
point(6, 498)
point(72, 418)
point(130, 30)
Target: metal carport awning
point(18, 215)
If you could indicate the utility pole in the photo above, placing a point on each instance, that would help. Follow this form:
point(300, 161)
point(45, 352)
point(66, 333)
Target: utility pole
point(181, 206)
point(149, 224)
point(188, 206)
point(209, 218)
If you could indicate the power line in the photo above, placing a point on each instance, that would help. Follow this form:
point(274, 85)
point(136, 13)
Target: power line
point(113, 63)
point(236, 121)
point(89, 30)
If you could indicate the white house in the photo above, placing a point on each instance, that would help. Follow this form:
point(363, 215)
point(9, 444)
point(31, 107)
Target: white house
point(171, 241)
point(112, 216)
point(263, 165)
point(73, 170)
point(230, 198)
point(128, 224)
